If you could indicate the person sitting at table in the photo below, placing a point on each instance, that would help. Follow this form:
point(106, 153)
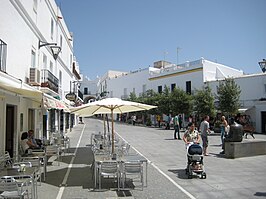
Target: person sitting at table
point(32, 141)
point(24, 142)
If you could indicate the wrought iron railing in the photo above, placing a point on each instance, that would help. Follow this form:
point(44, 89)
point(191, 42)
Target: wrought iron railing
point(49, 80)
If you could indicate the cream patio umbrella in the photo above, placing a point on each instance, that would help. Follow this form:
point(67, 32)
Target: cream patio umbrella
point(110, 106)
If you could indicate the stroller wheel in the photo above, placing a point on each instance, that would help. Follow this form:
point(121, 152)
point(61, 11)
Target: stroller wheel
point(203, 175)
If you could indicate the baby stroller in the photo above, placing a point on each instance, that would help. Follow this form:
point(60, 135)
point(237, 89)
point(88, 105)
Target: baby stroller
point(195, 162)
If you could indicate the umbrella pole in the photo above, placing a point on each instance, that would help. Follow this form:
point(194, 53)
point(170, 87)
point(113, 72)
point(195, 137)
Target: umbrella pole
point(104, 129)
point(113, 133)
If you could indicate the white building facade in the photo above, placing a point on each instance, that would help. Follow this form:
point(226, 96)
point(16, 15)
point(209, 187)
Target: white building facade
point(33, 83)
point(190, 76)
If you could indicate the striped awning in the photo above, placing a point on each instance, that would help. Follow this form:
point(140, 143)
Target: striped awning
point(51, 103)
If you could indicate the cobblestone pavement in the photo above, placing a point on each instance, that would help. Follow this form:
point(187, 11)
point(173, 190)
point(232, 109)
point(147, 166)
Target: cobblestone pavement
point(226, 178)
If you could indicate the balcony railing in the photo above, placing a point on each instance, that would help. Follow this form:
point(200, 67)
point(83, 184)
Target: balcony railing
point(80, 94)
point(49, 80)
point(3, 49)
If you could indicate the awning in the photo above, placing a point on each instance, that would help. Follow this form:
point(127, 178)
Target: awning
point(52, 103)
point(16, 86)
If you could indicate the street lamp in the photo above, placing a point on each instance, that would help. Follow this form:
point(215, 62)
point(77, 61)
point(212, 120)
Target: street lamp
point(263, 65)
point(53, 46)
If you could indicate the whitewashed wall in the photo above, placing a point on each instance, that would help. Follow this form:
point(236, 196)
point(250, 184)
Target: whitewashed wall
point(21, 28)
point(117, 86)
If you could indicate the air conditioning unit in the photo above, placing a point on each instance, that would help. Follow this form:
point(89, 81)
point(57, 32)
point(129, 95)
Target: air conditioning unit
point(34, 77)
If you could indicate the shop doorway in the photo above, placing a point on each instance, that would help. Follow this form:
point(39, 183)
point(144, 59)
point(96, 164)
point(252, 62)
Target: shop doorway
point(263, 122)
point(10, 127)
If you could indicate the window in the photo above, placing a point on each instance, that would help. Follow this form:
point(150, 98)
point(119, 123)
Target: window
point(71, 62)
point(188, 87)
point(3, 51)
point(33, 58)
point(173, 86)
point(144, 87)
point(60, 78)
point(160, 89)
point(35, 3)
point(52, 28)
point(51, 67)
point(125, 91)
point(44, 61)
point(61, 41)
point(85, 91)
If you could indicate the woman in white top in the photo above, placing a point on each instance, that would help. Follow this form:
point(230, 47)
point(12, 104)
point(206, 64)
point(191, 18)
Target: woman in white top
point(191, 136)
point(24, 142)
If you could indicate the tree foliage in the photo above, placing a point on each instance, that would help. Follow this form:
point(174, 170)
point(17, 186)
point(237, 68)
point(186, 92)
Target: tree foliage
point(181, 102)
point(204, 102)
point(228, 94)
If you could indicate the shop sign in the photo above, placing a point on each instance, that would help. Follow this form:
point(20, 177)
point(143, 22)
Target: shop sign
point(71, 97)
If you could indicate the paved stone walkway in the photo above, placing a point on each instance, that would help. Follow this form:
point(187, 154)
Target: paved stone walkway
point(226, 178)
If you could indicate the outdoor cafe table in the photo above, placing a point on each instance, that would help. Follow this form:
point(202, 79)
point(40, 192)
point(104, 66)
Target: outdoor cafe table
point(27, 175)
point(99, 158)
point(41, 155)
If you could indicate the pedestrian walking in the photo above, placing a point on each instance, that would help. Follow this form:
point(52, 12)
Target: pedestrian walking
point(176, 127)
point(223, 126)
point(134, 118)
point(205, 130)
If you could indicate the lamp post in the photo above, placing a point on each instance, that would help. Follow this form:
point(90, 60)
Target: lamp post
point(53, 46)
point(263, 65)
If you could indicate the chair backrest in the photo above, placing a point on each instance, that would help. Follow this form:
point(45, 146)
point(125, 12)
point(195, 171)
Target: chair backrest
point(18, 164)
point(2, 161)
point(133, 167)
point(8, 183)
point(108, 167)
point(51, 149)
point(35, 161)
point(8, 159)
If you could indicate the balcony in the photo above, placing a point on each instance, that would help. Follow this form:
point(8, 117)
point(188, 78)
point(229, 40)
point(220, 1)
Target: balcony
point(49, 80)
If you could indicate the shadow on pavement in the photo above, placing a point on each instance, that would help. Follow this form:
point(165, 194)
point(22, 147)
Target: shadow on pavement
point(181, 173)
point(260, 194)
point(80, 173)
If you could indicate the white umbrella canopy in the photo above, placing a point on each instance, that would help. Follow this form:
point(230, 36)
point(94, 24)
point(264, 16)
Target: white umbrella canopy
point(110, 106)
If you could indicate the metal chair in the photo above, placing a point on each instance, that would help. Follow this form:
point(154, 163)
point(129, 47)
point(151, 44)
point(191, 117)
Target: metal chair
point(8, 159)
point(30, 162)
point(35, 162)
point(11, 189)
point(107, 169)
point(53, 150)
point(132, 168)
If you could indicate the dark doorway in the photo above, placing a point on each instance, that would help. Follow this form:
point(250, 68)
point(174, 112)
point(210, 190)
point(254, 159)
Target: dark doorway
point(44, 125)
point(10, 126)
point(61, 121)
point(263, 122)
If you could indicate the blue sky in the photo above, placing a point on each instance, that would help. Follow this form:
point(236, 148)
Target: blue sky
point(127, 35)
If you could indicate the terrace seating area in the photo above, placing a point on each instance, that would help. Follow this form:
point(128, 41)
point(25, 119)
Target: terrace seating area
point(20, 176)
point(124, 167)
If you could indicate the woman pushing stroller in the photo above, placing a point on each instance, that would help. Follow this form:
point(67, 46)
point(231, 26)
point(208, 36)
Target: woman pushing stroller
point(191, 136)
point(194, 152)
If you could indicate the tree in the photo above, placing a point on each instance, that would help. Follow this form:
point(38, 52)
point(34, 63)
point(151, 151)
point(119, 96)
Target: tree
point(228, 94)
point(132, 97)
point(164, 101)
point(204, 102)
point(181, 102)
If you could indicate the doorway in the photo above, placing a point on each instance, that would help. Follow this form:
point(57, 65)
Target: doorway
point(263, 122)
point(10, 127)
